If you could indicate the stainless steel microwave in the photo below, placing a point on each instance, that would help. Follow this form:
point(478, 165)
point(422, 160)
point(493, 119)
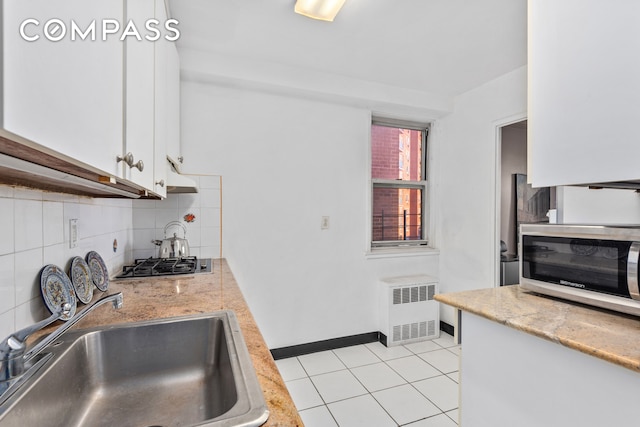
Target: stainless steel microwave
point(595, 265)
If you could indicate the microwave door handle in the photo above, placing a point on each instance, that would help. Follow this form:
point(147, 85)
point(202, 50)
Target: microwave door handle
point(632, 270)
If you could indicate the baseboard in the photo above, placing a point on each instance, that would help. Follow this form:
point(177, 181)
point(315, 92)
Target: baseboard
point(331, 344)
point(445, 327)
point(334, 343)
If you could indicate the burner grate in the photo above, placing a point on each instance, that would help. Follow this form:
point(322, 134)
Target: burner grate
point(149, 267)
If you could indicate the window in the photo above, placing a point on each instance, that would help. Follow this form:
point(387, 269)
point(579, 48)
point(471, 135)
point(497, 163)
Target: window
point(399, 184)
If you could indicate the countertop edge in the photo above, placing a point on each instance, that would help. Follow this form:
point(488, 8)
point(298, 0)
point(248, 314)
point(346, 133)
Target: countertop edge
point(569, 324)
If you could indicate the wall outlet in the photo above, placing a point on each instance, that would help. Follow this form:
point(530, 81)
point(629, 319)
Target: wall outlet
point(324, 223)
point(73, 233)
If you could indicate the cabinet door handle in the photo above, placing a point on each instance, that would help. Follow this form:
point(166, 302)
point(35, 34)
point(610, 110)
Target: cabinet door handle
point(128, 159)
point(160, 183)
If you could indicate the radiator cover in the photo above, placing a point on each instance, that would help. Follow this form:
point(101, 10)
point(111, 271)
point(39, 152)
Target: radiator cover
point(408, 312)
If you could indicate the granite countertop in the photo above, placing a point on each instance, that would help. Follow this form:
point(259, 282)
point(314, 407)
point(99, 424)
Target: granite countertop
point(152, 298)
point(604, 334)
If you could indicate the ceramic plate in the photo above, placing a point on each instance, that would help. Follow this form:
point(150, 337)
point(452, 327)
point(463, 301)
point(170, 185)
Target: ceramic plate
point(81, 279)
point(57, 290)
point(99, 272)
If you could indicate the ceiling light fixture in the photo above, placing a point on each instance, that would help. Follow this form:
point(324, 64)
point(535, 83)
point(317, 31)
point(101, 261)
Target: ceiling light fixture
point(324, 10)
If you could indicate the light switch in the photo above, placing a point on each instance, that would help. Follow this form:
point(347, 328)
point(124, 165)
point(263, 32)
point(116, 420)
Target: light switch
point(324, 224)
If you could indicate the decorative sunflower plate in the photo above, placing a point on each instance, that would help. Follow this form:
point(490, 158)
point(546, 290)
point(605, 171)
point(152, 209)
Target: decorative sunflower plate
point(80, 276)
point(99, 272)
point(57, 290)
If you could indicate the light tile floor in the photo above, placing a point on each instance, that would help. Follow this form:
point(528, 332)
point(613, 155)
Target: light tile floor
point(412, 385)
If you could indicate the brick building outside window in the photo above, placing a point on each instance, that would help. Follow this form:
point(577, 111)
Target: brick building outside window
point(398, 172)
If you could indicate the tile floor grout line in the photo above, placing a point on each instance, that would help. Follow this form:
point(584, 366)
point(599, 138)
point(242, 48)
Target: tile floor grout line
point(412, 353)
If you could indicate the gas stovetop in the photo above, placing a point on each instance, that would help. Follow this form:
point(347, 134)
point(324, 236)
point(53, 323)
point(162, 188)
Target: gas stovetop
point(151, 267)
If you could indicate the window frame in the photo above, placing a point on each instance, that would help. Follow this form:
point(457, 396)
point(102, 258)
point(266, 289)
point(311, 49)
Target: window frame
point(402, 184)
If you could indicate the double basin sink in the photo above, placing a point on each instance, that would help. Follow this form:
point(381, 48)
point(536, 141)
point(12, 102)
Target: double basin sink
point(183, 371)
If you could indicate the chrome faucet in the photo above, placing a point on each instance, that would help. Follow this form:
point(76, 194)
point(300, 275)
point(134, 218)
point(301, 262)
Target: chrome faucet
point(13, 355)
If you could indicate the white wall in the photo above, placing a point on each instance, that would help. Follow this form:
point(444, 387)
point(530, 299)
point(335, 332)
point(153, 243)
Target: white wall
point(287, 162)
point(35, 232)
point(467, 206)
point(150, 217)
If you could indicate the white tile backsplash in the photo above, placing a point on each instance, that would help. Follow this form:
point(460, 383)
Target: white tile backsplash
point(28, 224)
point(7, 289)
point(6, 224)
point(203, 234)
point(35, 229)
point(53, 217)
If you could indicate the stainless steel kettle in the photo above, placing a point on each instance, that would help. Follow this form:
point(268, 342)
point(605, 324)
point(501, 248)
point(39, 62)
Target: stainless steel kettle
point(173, 247)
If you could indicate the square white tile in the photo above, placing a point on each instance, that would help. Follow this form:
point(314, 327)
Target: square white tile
point(388, 353)
point(290, 369)
point(28, 224)
point(377, 376)
point(357, 355)
point(405, 404)
point(27, 275)
point(413, 368)
point(53, 223)
point(454, 415)
point(362, 411)
point(438, 421)
point(7, 323)
point(321, 363)
point(338, 385)
point(455, 376)
point(443, 360)
point(29, 313)
point(442, 391)
point(303, 393)
point(6, 225)
point(445, 340)
point(423, 346)
point(7, 285)
point(455, 349)
point(317, 417)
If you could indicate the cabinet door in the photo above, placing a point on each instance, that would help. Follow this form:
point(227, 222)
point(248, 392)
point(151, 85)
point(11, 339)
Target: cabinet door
point(161, 107)
point(139, 106)
point(584, 91)
point(64, 95)
point(173, 102)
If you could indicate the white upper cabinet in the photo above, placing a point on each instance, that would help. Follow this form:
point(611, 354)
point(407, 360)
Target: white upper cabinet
point(139, 100)
point(93, 83)
point(161, 108)
point(65, 95)
point(173, 102)
point(584, 91)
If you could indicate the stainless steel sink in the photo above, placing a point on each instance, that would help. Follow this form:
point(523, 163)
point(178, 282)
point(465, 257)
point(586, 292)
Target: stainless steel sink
point(184, 371)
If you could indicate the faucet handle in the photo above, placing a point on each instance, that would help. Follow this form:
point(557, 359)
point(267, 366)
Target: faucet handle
point(17, 340)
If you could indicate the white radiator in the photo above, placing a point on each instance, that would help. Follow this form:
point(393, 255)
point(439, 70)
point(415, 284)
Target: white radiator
point(408, 312)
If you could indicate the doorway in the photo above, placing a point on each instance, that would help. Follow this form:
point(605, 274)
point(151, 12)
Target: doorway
point(514, 207)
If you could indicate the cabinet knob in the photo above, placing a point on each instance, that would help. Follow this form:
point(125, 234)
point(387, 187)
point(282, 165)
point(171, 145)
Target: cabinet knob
point(160, 183)
point(128, 159)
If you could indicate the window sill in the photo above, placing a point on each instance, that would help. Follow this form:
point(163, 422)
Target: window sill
point(395, 252)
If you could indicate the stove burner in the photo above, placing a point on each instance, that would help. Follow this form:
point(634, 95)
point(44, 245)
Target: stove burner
point(165, 267)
